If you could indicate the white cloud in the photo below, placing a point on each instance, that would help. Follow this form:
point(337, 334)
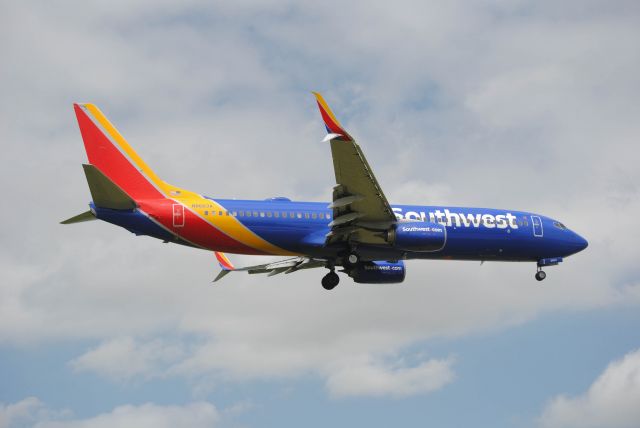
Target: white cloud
point(612, 401)
point(124, 358)
point(32, 412)
point(377, 379)
point(196, 415)
point(21, 413)
point(453, 103)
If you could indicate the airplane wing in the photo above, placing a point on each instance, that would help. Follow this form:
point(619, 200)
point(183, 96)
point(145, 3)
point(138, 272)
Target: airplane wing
point(360, 208)
point(281, 266)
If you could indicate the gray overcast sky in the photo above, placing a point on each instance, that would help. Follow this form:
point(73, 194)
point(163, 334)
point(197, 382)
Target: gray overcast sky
point(527, 105)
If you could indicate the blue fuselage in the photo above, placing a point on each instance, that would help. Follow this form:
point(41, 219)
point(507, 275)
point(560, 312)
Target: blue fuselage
point(471, 233)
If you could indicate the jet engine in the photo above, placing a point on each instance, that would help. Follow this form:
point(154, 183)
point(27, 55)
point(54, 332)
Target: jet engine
point(418, 236)
point(378, 272)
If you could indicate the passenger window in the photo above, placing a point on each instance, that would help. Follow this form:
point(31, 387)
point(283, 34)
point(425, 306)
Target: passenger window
point(235, 214)
point(261, 213)
point(328, 216)
point(306, 216)
point(206, 213)
point(299, 215)
point(269, 214)
point(255, 213)
point(314, 216)
point(276, 214)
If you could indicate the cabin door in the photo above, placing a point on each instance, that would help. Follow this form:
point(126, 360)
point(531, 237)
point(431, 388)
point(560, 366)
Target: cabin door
point(178, 215)
point(537, 226)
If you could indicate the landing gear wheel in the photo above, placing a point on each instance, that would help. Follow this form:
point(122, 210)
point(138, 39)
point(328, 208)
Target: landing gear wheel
point(330, 280)
point(353, 258)
point(540, 275)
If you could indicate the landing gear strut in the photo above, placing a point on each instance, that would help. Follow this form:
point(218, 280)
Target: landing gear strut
point(540, 275)
point(330, 280)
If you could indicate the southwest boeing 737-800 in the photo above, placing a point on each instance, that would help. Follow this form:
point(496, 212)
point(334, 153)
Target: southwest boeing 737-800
point(358, 231)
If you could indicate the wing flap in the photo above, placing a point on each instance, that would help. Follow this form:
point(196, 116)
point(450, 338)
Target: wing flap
point(281, 266)
point(359, 204)
point(358, 183)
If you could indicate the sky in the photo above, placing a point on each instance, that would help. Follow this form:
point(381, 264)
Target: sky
point(525, 105)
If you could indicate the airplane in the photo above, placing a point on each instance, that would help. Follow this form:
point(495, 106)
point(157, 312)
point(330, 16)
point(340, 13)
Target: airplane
point(359, 231)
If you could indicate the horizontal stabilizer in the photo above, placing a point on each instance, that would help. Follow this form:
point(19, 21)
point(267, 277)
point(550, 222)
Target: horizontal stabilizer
point(104, 192)
point(86, 216)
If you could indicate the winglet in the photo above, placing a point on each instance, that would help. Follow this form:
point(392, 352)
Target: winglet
point(330, 121)
point(224, 261)
point(225, 264)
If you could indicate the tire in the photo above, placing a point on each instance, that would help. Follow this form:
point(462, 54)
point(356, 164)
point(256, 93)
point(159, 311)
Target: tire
point(330, 281)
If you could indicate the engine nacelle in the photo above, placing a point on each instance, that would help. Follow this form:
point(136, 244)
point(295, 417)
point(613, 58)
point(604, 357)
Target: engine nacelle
point(418, 236)
point(378, 272)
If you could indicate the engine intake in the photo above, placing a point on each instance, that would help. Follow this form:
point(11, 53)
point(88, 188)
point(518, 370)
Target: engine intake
point(378, 272)
point(418, 236)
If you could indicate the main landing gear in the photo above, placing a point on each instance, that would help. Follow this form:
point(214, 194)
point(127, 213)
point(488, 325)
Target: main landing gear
point(330, 280)
point(540, 275)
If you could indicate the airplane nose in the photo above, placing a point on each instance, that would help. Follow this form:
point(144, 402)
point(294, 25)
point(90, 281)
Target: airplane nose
point(581, 243)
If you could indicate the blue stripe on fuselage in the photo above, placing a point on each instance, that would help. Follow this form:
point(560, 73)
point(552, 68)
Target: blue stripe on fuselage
point(472, 233)
point(295, 226)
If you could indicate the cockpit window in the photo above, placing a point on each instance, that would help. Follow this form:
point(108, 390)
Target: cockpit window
point(559, 225)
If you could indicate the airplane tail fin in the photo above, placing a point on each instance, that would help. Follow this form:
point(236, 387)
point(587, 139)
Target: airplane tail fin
point(117, 172)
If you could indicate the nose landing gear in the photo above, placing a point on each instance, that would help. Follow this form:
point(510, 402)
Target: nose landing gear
point(540, 274)
point(549, 261)
point(330, 280)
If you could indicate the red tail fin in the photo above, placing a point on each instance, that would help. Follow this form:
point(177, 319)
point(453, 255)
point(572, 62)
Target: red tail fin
point(112, 155)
